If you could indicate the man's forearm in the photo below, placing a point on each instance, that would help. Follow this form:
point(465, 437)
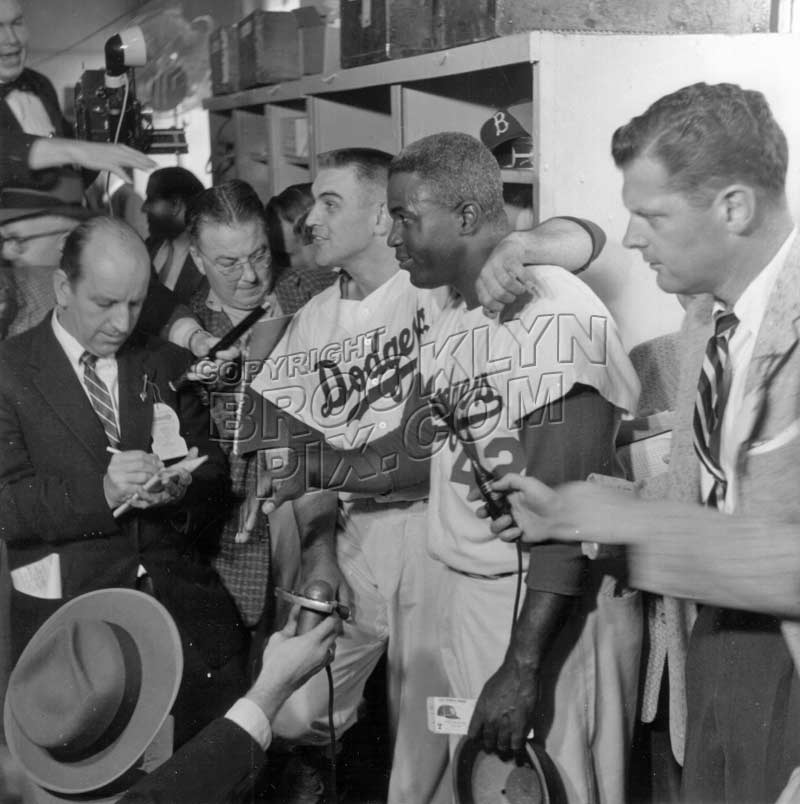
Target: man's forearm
point(562, 241)
point(690, 552)
point(393, 462)
point(381, 467)
point(541, 618)
point(315, 514)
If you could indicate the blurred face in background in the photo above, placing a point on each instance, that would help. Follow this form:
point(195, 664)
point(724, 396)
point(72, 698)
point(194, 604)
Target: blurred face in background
point(13, 40)
point(35, 242)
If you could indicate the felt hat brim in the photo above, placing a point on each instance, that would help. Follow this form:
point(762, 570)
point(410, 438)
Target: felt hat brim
point(154, 633)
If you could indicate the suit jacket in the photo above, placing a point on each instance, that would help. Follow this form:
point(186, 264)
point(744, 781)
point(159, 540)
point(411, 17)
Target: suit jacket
point(190, 281)
point(51, 485)
point(207, 770)
point(768, 430)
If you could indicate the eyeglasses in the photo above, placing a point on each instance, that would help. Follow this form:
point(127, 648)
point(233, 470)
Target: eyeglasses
point(19, 243)
point(233, 269)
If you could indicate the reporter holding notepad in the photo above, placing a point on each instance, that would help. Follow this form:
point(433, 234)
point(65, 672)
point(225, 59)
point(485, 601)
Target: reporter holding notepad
point(83, 381)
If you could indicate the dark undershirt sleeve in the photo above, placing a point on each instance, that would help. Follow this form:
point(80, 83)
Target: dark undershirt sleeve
point(579, 443)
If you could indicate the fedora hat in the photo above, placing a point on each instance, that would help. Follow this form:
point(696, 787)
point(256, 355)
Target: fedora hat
point(92, 689)
point(481, 778)
point(66, 198)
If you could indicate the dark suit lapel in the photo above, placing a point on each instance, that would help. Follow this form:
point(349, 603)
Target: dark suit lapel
point(189, 280)
point(136, 382)
point(56, 381)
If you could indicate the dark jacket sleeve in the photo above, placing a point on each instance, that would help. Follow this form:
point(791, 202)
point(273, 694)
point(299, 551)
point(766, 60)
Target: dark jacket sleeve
point(15, 144)
point(159, 308)
point(570, 445)
point(207, 770)
point(207, 498)
point(37, 504)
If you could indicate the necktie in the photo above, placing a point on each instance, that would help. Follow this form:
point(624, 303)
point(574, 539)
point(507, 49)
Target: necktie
point(21, 83)
point(100, 398)
point(712, 393)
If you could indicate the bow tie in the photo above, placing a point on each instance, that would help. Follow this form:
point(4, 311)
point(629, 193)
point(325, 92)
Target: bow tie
point(22, 83)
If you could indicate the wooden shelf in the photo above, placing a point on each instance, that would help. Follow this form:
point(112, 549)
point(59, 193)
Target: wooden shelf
point(518, 175)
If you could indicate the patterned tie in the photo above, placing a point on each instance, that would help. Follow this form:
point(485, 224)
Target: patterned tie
point(100, 398)
point(712, 395)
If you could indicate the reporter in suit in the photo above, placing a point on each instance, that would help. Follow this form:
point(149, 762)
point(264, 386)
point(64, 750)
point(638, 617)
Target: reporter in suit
point(74, 739)
point(704, 174)
point(59, 485)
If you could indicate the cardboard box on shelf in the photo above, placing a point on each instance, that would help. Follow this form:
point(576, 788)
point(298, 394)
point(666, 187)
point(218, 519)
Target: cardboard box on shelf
point(223, 44)
point(376, 30)
point(269, 48)
point(464, 21)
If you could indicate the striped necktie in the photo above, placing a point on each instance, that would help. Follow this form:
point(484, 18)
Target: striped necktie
point(100, 398)
point(709, 407)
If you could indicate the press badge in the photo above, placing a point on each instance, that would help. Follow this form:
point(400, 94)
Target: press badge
point(449, 715)
point(168, 443)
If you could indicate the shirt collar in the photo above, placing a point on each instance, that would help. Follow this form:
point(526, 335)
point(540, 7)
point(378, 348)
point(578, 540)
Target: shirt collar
point(68, 342)
point(751, 306)
point(72, 346)
point(213, 303)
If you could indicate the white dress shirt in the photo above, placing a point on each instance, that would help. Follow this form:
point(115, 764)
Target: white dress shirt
point(749, 309)
point(168, 274)
point(248, 715)
point(30, 113)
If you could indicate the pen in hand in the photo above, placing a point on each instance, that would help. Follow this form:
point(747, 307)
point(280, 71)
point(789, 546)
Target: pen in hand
point(189, 463)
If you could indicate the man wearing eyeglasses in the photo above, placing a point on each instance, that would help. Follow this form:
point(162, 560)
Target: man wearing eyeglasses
point(227, 233)
point(88, 421)
point(33, 227)
point(30, 244)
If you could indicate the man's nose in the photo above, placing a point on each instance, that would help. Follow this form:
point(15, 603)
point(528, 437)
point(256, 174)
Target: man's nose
point(634, 238)
point(394, 239)
point(248, 272)
point(121, 318)
point(8, 35)
point(312, 219)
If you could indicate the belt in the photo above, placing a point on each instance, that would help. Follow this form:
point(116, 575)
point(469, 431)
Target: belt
point(496, 577)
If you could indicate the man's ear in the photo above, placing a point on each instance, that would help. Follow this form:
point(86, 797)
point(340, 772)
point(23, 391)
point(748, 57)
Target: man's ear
point(198, 260)
point(179, 209)
point(61, 241)
point(470, 216)
point(62, 287)
point(738, 204)
point(383, 221)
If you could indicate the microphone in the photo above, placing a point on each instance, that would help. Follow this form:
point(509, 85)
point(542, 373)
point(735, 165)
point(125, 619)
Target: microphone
point(308, 618)
point(225, 342)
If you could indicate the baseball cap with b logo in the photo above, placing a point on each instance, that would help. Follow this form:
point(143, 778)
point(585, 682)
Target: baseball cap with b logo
point(505, 137)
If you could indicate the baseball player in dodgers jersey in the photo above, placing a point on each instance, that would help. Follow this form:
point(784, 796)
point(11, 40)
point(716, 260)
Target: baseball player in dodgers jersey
point(345, 366)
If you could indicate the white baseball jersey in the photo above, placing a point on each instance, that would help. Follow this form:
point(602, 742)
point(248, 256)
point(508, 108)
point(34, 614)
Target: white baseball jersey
point(345, 366)
point(489, 376)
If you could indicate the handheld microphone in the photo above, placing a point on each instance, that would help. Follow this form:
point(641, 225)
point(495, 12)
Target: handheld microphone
point(308, 618)
point(316, 603)
point(226, 341)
